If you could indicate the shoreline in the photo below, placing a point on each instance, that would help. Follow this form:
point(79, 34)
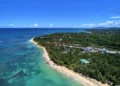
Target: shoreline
point(77, 76)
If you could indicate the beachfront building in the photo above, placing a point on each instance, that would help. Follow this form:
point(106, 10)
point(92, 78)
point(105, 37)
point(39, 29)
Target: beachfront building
point(84, 61)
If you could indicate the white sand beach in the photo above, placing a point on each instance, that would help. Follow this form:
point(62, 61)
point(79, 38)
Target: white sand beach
point(80, 78)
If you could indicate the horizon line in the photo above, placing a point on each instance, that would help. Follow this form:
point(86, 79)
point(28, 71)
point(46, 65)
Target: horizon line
point(55, 27)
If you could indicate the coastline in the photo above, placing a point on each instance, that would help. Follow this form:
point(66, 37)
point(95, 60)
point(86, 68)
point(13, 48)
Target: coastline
point(77, 76)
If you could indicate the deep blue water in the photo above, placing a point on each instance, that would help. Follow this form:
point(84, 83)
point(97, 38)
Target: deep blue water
point(21, 62)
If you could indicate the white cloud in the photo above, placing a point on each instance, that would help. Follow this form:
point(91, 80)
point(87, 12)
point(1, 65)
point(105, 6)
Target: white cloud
point(115, 17)
point(113, 23)
point(11, 25)
point(51, 25)
point(88, 25)
point(35, 25)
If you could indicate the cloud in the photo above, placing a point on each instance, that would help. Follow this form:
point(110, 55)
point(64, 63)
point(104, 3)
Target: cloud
point(88, 25)
point(11, 25)
point(112, 23)
point(35, 25)
point(51, 25)
point(115, 17)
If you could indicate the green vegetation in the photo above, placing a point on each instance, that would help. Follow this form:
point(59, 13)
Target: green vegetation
point(65, 49)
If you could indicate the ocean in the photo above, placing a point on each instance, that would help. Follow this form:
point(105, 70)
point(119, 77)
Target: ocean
point(22, 63)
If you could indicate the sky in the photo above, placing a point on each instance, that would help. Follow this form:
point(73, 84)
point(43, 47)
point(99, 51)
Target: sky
point(60, 13)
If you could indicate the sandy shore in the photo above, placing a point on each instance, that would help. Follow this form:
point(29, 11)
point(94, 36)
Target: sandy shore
point(82, 79)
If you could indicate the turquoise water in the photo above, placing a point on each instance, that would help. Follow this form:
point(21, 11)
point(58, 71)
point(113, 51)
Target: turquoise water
point(22, 63)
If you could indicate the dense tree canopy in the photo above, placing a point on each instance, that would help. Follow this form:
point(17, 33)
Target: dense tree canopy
point(104, 67)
